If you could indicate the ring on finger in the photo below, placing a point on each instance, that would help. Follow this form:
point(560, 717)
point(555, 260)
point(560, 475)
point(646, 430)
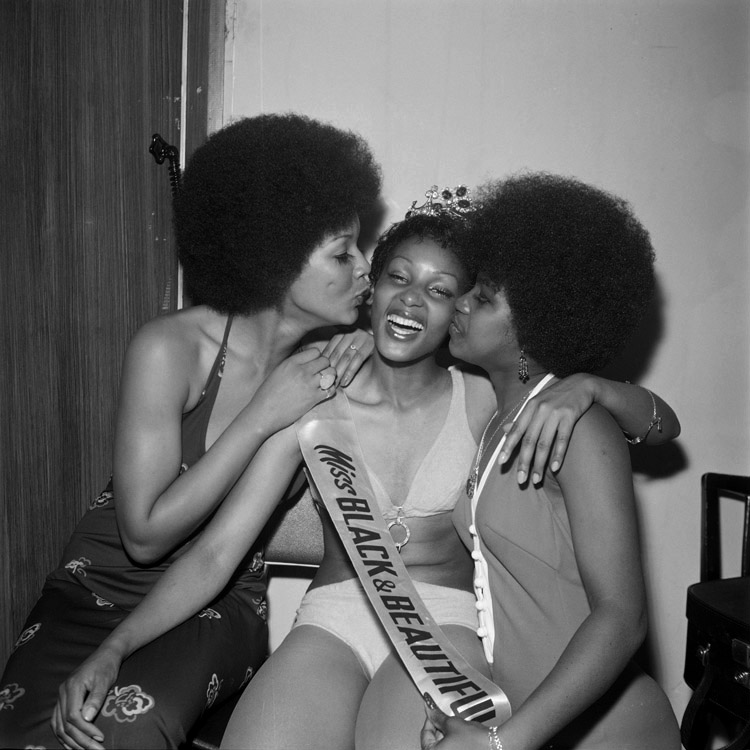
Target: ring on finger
point(352, 346)
point(327, 379)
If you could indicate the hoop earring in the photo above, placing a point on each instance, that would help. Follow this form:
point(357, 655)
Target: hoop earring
point(523, 368)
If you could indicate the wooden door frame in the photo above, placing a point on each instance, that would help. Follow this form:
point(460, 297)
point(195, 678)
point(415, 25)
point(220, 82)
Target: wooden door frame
point(203, 63)
point(46, 414)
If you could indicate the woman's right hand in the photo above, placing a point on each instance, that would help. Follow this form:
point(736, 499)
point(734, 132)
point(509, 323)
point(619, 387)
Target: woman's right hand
point(347, 352)
point(80, 699)
point(451, 733)
point(296, 385)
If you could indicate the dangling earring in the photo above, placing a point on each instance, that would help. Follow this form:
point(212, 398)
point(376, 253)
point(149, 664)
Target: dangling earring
point(523, 368)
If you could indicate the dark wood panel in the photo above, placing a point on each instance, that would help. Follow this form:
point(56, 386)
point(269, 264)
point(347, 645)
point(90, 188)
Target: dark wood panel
point(86, 253)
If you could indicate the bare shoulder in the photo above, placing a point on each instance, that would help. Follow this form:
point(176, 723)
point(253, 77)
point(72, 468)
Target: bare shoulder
point(176, 348)
point(181, 335)
point(480, 399)
point(164, 340)
point(598, 424)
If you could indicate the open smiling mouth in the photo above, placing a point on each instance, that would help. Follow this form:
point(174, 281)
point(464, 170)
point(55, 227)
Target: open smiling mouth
point(404, 326)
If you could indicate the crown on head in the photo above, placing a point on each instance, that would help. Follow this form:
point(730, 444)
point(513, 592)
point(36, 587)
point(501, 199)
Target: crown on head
point(454, 202)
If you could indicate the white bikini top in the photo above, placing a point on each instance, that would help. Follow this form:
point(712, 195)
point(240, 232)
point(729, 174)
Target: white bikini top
point(440, 478)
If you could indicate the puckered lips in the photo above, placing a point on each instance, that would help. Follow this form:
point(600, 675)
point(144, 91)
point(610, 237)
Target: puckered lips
point(403, 325)
point(455, 329)
point(363, 295)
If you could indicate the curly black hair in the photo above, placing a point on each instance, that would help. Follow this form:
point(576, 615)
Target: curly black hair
point(576, 266)
point(443, 229)
point(257, 197)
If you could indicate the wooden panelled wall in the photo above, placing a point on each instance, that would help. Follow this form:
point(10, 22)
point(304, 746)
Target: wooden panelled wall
point(86, 254)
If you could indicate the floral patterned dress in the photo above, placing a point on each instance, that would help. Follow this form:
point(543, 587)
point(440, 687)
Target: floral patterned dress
point(163, 688)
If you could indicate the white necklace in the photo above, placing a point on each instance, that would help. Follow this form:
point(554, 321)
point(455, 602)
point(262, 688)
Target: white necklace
point(471, 482)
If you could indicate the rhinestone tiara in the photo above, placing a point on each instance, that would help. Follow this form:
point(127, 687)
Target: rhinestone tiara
point(455, 202)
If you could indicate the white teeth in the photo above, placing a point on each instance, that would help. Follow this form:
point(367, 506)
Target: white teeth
point(397, 320)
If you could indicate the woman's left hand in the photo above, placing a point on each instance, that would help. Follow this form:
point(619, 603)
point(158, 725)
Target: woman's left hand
point(544, 427)
point(450, 733)
point(80, 699)
point(347, 352)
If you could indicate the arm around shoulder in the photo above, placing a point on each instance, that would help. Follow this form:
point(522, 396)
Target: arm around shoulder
point(643, 415)
point(544, 428)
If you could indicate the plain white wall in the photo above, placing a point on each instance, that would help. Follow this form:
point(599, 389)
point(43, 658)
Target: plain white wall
point(647, 99)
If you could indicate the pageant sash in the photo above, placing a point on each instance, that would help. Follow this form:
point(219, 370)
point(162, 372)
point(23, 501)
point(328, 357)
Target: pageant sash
point(338, 479)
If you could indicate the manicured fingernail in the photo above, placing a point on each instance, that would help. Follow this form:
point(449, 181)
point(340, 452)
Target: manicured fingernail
point(502, 458)
point(536, 478)
point(555, 465)
point(521, 477)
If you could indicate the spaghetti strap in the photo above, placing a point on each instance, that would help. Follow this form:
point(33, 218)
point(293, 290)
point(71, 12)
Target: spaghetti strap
point(227, 328)
point(195, 422)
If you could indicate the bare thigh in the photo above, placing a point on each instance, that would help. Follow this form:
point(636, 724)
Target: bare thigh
point(392, 711)
point(305, 696)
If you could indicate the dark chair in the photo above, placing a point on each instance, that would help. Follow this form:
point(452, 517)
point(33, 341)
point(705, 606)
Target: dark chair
point(209, 731)
point(717, 657)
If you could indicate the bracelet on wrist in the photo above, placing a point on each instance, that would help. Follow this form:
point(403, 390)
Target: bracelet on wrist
point(655, 422)
point(495, 742)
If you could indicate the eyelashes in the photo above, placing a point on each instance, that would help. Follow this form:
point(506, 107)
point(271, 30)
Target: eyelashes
point(446, 293)
point(441, 291)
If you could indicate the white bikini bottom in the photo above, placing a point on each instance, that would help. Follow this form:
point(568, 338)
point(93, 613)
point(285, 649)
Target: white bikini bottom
point(343, 610)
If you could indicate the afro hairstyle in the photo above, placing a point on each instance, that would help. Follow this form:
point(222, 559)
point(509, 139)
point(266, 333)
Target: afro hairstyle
point(576, 266)
point(255, 200)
